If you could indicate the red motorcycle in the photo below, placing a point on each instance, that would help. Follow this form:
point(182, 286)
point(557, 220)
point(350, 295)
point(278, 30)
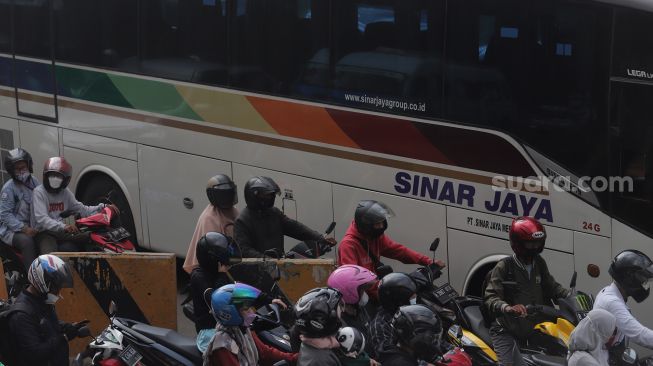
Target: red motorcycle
point(102, 232)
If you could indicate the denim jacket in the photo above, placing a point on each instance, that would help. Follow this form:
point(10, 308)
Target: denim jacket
point(15, 202)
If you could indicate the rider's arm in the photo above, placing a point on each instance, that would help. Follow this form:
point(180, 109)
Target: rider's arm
point(73, 204)
point(41, 219)
point(494, 297)
point(243, 236)
point(7, 208)
point(269, 355)
point(27, 334)
point(630, 326)
point(391, 249)
point(296, 229)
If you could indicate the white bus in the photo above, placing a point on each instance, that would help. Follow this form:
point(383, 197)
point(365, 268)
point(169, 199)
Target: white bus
point(426, 105)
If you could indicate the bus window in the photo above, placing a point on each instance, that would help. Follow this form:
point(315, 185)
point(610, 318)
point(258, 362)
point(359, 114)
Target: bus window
point(183, 40)
point(633, 47)
point(32, 28)
point(388, 56)
point(102, 34)
point(5, 27)
point(277, 43)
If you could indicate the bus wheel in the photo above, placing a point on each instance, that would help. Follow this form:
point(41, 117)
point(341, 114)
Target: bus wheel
point(475, 287)
point(95, 188)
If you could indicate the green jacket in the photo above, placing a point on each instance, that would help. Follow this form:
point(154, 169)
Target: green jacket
point(538, 289)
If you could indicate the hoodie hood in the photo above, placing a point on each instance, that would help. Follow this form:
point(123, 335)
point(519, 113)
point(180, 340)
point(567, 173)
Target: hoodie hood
point(592, 333)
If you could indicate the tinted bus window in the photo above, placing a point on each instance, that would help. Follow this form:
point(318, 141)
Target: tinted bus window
point(5, 27)
point(32, 28)
point(537, 70)
point(633, 45)
point(388, 56)
point(184, 40)
point(280, 46)
point(103, 33)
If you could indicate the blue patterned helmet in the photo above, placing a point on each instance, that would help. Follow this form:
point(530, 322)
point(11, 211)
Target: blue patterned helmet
point(229, 299)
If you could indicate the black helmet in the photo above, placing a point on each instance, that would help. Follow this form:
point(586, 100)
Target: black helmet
point(56, 168)
point(13, 157)
point(369, 213)
point(260, 192)
point(214, 248)
point(221, 191)
point(417, 327)
point(395, 290)
point(632, 270)
point(317, 313)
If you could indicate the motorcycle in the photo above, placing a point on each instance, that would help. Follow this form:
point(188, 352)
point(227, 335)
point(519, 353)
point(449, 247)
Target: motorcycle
point(15, 274)
point(101, 231)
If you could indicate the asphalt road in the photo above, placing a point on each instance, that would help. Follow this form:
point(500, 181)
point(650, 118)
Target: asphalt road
point(184, 326)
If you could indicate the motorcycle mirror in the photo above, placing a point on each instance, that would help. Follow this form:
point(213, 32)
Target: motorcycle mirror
point(455, 331)
point(572, 284)
point(434, 246)
point(113, 309)
point(330, 228)
point(629, 357)
point(593, 270)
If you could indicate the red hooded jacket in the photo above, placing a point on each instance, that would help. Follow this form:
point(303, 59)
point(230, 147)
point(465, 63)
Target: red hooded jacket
point(351, 251)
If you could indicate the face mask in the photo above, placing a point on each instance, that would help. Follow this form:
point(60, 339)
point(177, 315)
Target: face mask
point(413, 301)
point(55, 182)
point(364, 299)
point(22, 177)
point(52, 298)
point(248, 319)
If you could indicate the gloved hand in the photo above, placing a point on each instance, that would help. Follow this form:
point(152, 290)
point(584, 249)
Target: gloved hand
point(69, 331)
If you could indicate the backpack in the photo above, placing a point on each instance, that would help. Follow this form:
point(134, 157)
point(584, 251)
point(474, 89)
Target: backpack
point(7, 346)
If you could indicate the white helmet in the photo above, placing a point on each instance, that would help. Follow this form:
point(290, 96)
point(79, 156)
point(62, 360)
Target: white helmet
point(352, 341)
point(49, 274)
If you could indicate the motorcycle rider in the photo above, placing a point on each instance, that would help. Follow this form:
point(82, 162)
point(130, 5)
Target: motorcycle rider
point(535, 285)
point(631, 271)
point(395, 290)
point(418, 331)
point(215, 254)
point(50, 199)
point(37, 334)
point(317, 318)
point(364, 242)
point(218, 216)
point(234, 343)
point(261, 226)
point(352, 281)
point(590, 338)
point(15, 202)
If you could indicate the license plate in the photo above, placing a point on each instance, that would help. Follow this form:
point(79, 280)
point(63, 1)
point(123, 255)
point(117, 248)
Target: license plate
point(445, 293)
point(130, 356)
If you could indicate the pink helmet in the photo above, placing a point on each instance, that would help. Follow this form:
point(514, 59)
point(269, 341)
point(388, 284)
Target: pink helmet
point(348, 279)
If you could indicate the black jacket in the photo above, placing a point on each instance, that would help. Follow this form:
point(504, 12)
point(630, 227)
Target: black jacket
point(396, 356)
point(200, 280)
point(257, 231)
point(37, 337)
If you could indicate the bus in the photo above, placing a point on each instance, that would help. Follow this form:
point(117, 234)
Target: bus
point(458, 114)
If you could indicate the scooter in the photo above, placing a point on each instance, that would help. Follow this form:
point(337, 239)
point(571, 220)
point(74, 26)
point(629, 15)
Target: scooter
point(15, 275)
point(101, 231)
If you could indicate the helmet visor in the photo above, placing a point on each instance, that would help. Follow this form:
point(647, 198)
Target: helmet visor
point(244, 295)
point(645, 276)
point(533, 244)
point(376, 213)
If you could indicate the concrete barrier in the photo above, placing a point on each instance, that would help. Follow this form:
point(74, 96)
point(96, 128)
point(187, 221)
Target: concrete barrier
point(143, 285)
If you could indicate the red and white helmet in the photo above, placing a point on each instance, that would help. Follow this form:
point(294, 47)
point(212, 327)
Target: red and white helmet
point(527, 236)
point(351, 281)
point(56, 174)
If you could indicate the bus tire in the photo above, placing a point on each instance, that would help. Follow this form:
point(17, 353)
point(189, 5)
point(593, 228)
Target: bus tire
point(475, 286)
point(95, 188)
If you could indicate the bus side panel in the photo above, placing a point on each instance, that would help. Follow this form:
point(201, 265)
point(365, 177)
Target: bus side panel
point(307, 200)
point(591, 249)
point(169, 181)
point(9, 139)
point(416, 224)
point(42, 142)
point(121, 170)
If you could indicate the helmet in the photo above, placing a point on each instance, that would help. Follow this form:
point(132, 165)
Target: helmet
point(632, 270)
point(229, 299)
point(419, 328)
point(49, 274)
point(13, 157)
point(350, 280)
point(221, 191)
point(56, 166)
point(369, 213)
point(352, 341)
point(527, 236)
point(395, 290)
point(317, 313)
point(215, 248)
point(258, 191)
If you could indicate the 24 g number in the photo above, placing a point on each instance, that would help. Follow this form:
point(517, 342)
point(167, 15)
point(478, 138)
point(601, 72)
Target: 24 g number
point(591, 227)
